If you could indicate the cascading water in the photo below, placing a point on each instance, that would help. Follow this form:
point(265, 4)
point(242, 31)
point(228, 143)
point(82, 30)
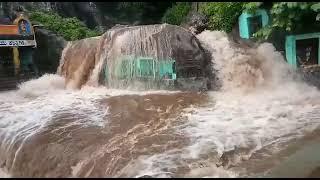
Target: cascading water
point(139, 57)
point(49, 129)
point(258, 108)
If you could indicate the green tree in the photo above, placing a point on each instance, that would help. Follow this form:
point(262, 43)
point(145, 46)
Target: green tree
point(222, 15)
point(292, 17)
point(70, 28)
point(177, 13)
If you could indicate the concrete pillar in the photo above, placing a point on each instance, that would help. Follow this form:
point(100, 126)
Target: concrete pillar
point(27, 60)
point(16, 60)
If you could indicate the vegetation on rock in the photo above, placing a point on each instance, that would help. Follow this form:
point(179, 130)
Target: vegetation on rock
point(222, 15)
point(291, 17)
point(177, 13)
point(69, 28)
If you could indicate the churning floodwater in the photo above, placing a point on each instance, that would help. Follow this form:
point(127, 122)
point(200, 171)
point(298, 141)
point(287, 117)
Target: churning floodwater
point(47, 130)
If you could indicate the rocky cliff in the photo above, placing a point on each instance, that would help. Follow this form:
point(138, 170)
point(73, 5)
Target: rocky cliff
point(48, 51)
point(102, 15)
point(96, 15)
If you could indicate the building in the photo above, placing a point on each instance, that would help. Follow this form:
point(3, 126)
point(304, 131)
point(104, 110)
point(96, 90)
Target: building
point(17, 42)
point(250, 23)
point(302, 50)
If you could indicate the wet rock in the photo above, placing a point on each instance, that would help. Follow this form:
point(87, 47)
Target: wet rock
point(160, 42)
point(193, 84)
point(196, 22)
point(234, 35)
point(119, 26)
point(232, 157)
point(49, 49)
point(145, 176)
point(311, 75)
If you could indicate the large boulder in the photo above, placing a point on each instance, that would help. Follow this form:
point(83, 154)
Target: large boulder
point(159, 42)
point(99, 15)
point(196, 22)
point(49, 49)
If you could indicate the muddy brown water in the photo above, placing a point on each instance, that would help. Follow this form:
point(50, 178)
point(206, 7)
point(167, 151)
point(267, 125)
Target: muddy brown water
point(258, 121)
point(136, 125)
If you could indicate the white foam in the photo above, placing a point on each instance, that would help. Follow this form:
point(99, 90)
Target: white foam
point(40, 102)
point(259, 104)
point(275, 109)
point(37, 101)
point(48, 83)
point(3, 174)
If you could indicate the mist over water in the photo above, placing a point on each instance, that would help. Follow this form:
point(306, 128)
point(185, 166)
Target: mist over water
point(101, 132)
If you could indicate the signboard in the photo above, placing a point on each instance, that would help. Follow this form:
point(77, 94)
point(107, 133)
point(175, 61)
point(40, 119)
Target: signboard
point(17, 43)
point(9, 29)
point(24, 25)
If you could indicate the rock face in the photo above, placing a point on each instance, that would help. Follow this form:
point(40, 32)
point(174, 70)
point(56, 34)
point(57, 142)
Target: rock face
point(8, 8)
point(100, 15)
point(160, 42)
point(85, 11)
point(48, 52)
point(310, 75)
point(196, 22)
point(145, 176)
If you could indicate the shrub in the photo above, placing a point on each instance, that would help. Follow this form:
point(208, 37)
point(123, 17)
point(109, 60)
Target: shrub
point(70, 28)
point(292, 17)
point(177, 13)
point(222, 15)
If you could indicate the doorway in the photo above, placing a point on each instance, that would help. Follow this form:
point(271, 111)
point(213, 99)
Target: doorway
point(6, 61)
point(307, 51)
point(255, 24)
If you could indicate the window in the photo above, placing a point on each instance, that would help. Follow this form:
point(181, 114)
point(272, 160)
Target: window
point(255, 24)
point(146, 67)
point(307, 51)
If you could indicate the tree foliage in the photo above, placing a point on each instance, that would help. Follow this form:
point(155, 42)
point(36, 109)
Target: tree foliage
point(177, 13)
point(251, 7)
point(222, 15)
point(70, 28)
point(289, 16)
point(130, 10)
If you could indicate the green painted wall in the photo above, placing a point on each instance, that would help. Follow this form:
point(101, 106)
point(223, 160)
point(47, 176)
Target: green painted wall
point(244, 24)
point(142, 67)
point(291, 47)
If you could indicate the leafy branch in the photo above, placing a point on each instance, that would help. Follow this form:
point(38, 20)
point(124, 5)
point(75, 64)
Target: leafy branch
point(70, 28)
